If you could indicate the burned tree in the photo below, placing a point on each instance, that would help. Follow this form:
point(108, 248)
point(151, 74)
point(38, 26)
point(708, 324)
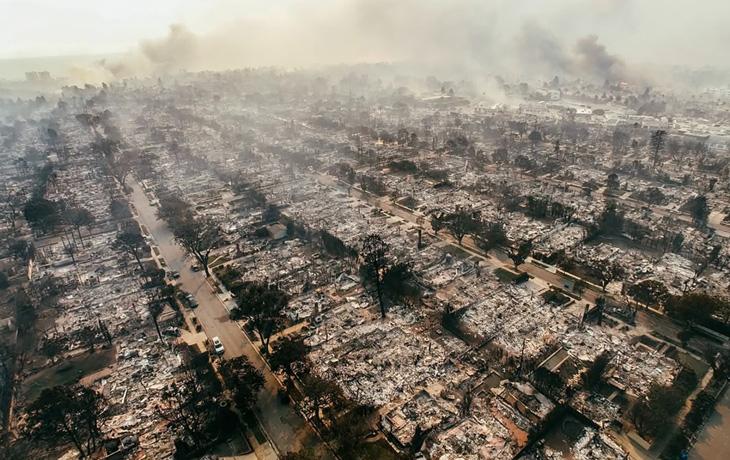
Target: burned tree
point(620, 142)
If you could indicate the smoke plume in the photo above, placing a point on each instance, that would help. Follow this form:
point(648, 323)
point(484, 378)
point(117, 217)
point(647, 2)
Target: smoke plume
point(467, 38)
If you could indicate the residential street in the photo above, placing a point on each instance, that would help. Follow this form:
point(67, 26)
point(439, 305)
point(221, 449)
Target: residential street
point(284, 426)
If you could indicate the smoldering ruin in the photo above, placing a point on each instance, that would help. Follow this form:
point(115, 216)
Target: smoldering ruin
point(371, 230)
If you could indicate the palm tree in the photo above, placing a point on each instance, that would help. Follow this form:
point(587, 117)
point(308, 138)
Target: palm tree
point(155, 308)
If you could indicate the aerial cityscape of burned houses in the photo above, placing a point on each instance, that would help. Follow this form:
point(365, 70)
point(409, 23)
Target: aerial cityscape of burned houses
point(265, 264)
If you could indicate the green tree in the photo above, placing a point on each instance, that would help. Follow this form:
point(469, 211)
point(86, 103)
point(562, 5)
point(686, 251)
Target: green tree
point(199, 237)
point(606, 272)
point(612, 182)
point(21, 250)
point(133, 243)
point(288, 351)
point(350, 428)
point(437, 222)
point(490, 235)
point(25, 312)
point(593, 375)
point(302, 454)
point(653, 415)
point(79, 217)
point(186, 403)
point(461, 223)
point(244, 381)
point(650, 292)
point(677, 242)
point(119, 209)
point(519, 254)
point(374, 265)
point(500, 155)
point(611, 220)
point(535, 137)
point(262, 305)
point(699, 209)
point(399, 283)
point(67, 414)
point(657, 141)
point(42, 213)
point(325, 396)
point(693, 307)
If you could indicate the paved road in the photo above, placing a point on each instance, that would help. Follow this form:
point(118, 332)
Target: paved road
point(211, 314)
point(285, 427)
point(713, 441)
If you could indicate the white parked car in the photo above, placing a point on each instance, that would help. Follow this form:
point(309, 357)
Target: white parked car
point(218, 346)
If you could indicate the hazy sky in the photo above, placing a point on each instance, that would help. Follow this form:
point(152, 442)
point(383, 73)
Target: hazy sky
point(30, 28)
point(301, 32)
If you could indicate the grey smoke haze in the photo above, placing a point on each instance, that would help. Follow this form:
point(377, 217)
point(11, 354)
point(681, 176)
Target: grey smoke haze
point(595, 61)
point(578, 38)
point(179, 47)
point(543, 53)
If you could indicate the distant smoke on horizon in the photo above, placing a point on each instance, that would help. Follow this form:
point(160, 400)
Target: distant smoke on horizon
point(459, 37)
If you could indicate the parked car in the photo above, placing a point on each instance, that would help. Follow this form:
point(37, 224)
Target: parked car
point(196, 323)
point(190, 300)
point(128, 442)
point(218, 346)
point(187, 299)
point(196, 267)
point(173, 274)
point(171, 331)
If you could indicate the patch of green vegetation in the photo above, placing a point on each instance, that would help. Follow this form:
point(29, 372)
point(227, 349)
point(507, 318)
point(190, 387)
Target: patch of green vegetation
point(379, 449)
point(555, 297)
point(68, 372)
point(456, 252)
point(504, 275)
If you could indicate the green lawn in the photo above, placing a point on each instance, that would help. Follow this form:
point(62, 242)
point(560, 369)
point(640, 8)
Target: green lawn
point(504, 275)
point(68, 372)
point(380, 450)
